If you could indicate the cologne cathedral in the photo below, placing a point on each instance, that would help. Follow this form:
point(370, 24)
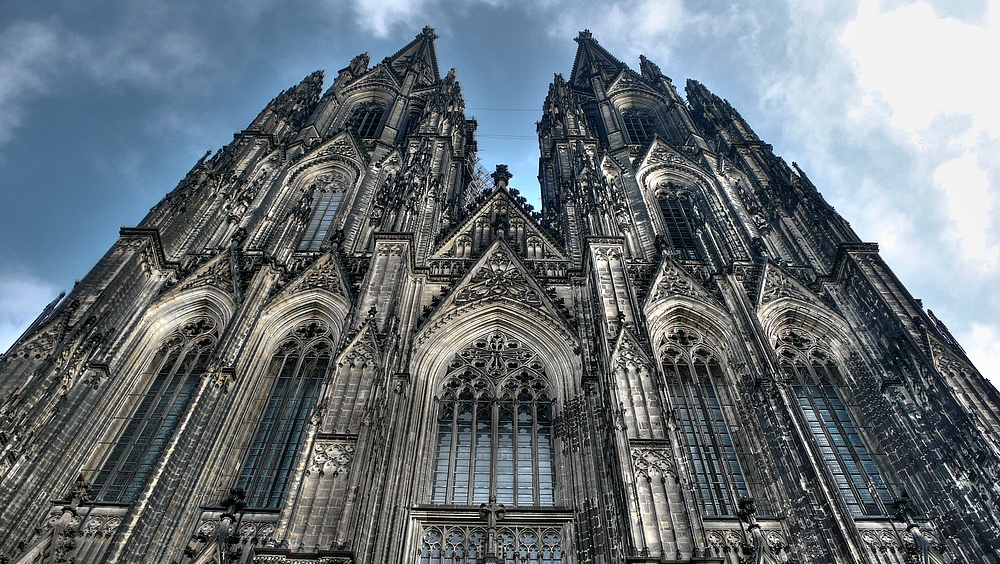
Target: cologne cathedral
point(340, 339)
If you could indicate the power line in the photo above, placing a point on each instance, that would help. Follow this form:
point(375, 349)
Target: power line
point(493, 136)
point(502, 110)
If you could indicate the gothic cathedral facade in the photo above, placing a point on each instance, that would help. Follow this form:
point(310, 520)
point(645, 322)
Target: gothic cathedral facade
point(339, 340)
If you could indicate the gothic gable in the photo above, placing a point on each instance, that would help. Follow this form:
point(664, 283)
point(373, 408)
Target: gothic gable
point(392, 161)
point(672, 280)
point(342, 147)
point(591, 57)
point(217, 272)
point(418, 57)
point(628, 350)
point(499, 214)
point(498, 277)
point(361, 350)
point(777, 284)
point(380, 77)
point(628, 82)
point(324, 274)
point(661, 154)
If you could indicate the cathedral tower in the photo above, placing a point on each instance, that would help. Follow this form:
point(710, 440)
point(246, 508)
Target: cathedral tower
point(339, 340)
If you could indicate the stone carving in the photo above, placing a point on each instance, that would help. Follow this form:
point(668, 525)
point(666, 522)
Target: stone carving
point(629, 353)
point(725, 541)
point(652, 462)
point(778, 285)
point(333, 457)
point(660, 155)
point(218, 273)
point(498, 277)
point(362, 351)
point(497, 356)
point(278, 559)
point(544, 542)
point(675, 281)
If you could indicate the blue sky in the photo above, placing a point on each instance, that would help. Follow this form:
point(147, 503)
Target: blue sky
point(888, 106)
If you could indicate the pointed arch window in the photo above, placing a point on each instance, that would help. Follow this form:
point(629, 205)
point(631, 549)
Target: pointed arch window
point(640, 125)
point(678, 213)
point(296, 371)
point(173, 378)
point(327, 192)
point(814, 381)
point(691, 372)
point(367, 120)
point(495, 428)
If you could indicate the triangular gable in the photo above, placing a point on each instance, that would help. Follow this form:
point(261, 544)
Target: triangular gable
point(628, 80)
point(393, 160)
point(662, 153)
point(447, 248)
point(498, 276)
point(672, 280)
point(381, 75)
point(343, 145)
point(363, 349)
point(628, 349)
point(418, 56)
point(777, 284)
point(611, 166)
point(588, 54)
point(324, 274)
point(217, 272)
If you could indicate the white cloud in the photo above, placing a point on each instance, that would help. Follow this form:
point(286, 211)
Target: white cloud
point(923, 65)
point(22, 298)
point(625, 28)
point(982, 345)
point(969, 205)
point(380, 16)
point(27, 49)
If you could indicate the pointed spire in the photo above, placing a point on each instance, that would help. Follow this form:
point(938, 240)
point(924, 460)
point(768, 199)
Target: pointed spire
point(591, 58)
point(358, 66)
point(717, 115)
point(418, 56)
point(650, 70)
point(291, 106)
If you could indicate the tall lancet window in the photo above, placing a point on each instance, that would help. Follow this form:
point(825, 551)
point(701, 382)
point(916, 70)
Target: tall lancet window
point(172, 378)
point(296, 373)
point(692, 372)
point(640, 125)
point(495, 428)
point(326, 193)
point(678, 213)
point(815, 378)
point(367, 120)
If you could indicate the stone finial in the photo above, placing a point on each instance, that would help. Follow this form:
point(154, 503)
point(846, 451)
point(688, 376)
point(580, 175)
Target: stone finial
point(650, 70)
point(360, 64)
point(501, 177)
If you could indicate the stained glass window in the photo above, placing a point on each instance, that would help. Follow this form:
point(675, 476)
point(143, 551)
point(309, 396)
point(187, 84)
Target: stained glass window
point(174, 377)
point(297, 371)
point(677, 215)
point(367, 120)
point(829, 421)
point(327, 192)
point(640, 125)
point(495, 428)
point(711, 455)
